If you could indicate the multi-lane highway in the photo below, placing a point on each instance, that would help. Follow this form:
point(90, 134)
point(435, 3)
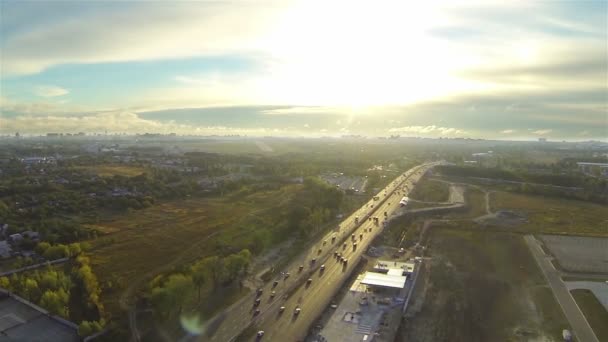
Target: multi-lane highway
point(303, 284)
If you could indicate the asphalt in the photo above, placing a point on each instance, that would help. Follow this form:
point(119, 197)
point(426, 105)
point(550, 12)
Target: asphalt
point(581, 328)
point(311, 299)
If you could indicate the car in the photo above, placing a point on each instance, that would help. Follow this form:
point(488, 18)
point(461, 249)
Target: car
point(281, 309)
point(260, 333)
point(319, 251)
point(257, 302)
point(259, 292)
point(286, 276)
point(324, 242)
point(342, 259)
point(313, 260)
point(309, 281)
point(297, 311)
point(345, 262)
point(300, 268)
point(275, 283)
point(272, 294)
point(333, 306)
point(360, 237)
point(335, 254)
point(256, 312)
point(322, 268)
point(344, 246)
point(354, 246)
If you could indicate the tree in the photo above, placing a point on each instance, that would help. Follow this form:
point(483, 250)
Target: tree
point(32, 292)
point(172, 294)
point(199, 276)
point(85, 329)
point(55, 301)
point(5, 283)
point(74, 249)
point(216, 268)
point(42, 247)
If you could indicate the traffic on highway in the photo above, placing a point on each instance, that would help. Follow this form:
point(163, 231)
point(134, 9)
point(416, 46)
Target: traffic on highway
point(286, 307)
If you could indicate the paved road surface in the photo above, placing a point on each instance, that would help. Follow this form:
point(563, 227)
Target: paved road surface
point(575, 317)
point(312, 299)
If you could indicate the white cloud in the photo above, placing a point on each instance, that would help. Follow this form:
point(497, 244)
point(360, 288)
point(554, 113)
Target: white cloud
point(306, 126)
point(542, 131)
point(180, 30)
point(430, 130)
point(115, 122)
point(50, 91)
point(307, 110)
point(508, 131)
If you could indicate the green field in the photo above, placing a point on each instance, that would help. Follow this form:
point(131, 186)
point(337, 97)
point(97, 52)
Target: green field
point(594, 311)
point(555, 215)
point(484, 286)
point(431, 191)
point(113, 170)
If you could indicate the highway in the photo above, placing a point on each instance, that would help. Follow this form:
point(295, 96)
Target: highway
point(292, 292)
point(581, 328)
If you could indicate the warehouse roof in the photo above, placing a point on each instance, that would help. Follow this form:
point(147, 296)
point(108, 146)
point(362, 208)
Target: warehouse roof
point(385, 280)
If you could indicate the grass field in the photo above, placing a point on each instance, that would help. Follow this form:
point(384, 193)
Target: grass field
point(172, 234)
point(594, 311)
point(113, 170)
point(484, 286)
point(431, 191)
point(554, 215)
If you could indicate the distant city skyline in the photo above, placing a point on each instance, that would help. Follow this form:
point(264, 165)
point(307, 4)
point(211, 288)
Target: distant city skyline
point(493, 69)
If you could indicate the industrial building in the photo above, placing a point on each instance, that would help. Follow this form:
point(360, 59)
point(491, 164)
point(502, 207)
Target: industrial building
point(372, 308)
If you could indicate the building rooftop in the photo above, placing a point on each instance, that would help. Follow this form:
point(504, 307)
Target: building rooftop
point(20, 321)
point(385, 265)
point(384, 280)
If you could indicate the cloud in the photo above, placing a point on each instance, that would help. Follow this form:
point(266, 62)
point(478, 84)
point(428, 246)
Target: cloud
point(90, 33)
point(432, 129)
point(115, 122)
point(508, 131)
point(50, 91)
point(542, 131)
point(303, 110)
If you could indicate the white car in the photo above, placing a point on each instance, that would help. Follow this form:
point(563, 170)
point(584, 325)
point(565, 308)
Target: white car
point(260, 333)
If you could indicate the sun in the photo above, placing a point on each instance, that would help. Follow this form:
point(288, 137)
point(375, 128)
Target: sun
point(358, 54)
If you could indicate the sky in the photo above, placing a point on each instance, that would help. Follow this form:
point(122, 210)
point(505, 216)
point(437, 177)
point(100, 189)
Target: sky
point(479, 69)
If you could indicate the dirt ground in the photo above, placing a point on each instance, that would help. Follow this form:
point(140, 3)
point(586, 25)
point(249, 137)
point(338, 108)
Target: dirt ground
point(483, 286)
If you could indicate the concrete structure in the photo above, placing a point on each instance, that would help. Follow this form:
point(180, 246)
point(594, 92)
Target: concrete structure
point(15, 238)
point(384, 266)
point(5, 249)
point(372, 308)
point(24, 321)
point(393, 280)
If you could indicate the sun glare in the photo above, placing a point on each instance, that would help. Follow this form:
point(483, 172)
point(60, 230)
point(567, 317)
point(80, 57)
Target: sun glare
point(358, 54)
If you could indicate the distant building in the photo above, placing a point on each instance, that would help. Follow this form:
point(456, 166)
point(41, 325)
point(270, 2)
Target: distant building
point(15, 238)
point(5, 249)
point(34, 236)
